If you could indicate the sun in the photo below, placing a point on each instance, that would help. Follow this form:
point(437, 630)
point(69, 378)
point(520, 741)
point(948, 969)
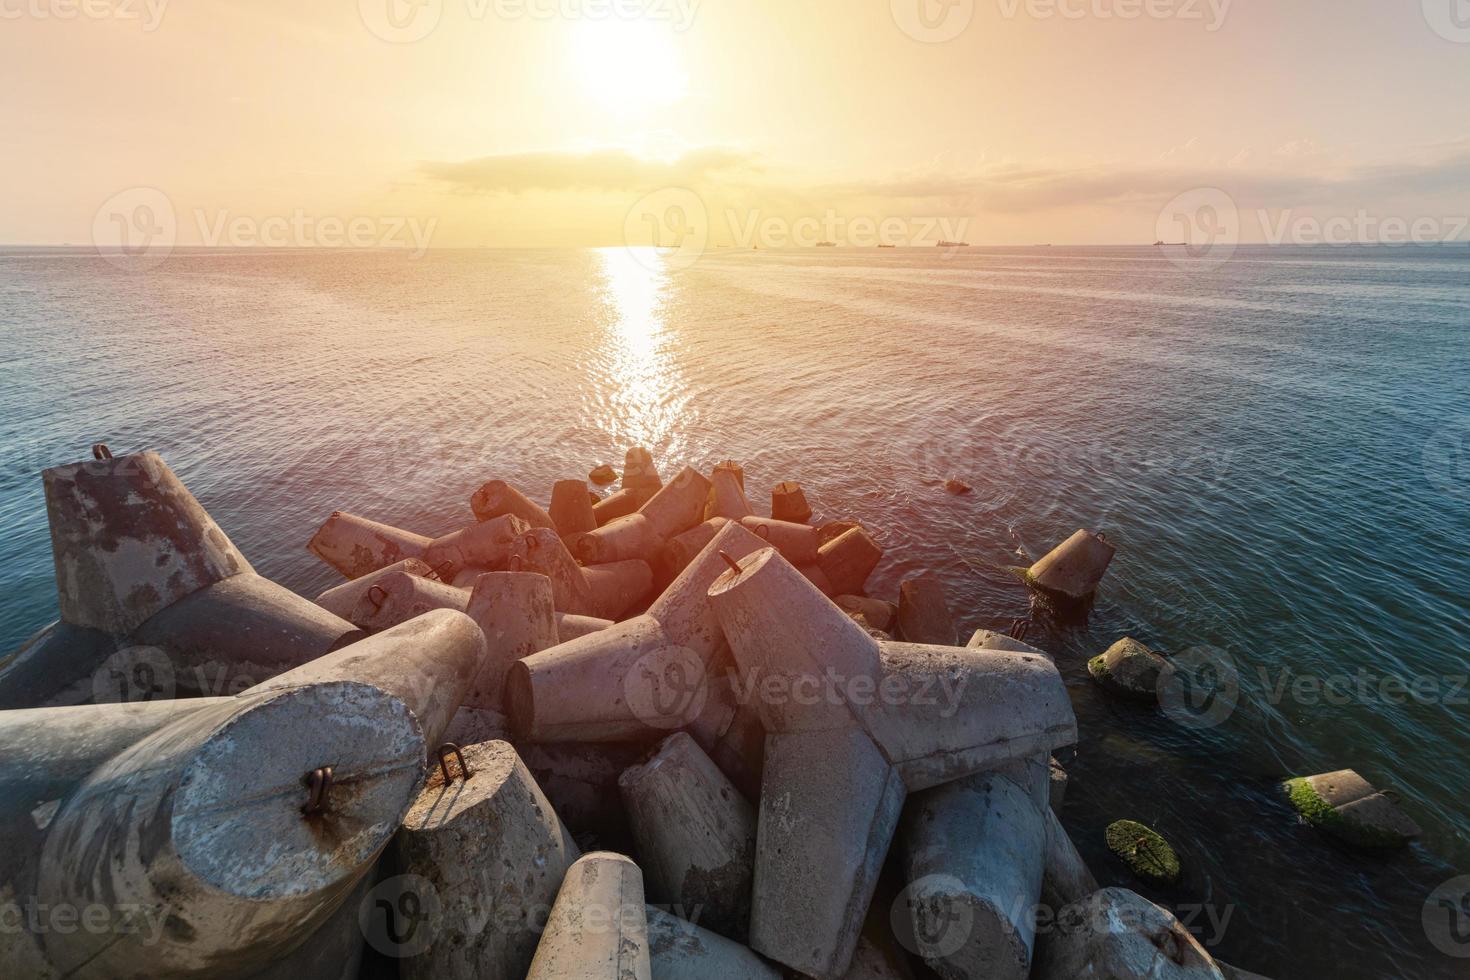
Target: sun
point(628, 67)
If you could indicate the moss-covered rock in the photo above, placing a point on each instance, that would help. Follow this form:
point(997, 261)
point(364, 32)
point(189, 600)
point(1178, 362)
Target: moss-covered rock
point(1129, 669)
point(1345, 806)
point(1145, 853)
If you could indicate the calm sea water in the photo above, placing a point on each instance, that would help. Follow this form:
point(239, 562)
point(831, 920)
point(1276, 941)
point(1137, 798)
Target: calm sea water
point(1280, 448)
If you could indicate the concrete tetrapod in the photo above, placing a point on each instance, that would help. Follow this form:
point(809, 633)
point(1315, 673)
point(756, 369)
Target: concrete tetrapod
point(598, 929)
point(45, 753)
point(727, 493)
point(695, 835)
point(797, 542)
point(640, 475)
point(1066, 879)
point(1119, 935)
point(571, 507)
point(1073, 569)
point(605, 591)
point(202, 826)
point(340, 600)
point(974, 850)
point(632, 680)
point(498, 499)
point(494, 852)
point(487, 546)
point(58, 667)
point(515, 612)
point(788, 503)
point(847, 560)
point(680, 950)
point(684, 548)
point(676, 508)
point(356, 546)
point(923, 613)
point(616, 505)
point(902, 717)
point(128, 540)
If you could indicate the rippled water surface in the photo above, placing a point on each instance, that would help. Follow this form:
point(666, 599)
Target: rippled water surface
point(1280, 448)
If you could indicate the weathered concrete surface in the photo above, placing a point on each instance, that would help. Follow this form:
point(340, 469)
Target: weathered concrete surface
point(340, 600)
point(598, 928)
point(974, 850)
point(356, 546)
point(923, 612)
point(676, 508)
point(399, 597)
point(487, 546)
point(788, 503)
point(56, 667)
point(229, 636)
point(829, 807)
point(1073, 568)
point(1117, 935)
point(727, 493)
point(199, 827)
point(515, 612)
point(878, 613)
point(695, 835)
point(678, 505)
point(605, 592)
point(498, 499)
point(1066, 878)
point(615, 505)
point(581, 780)
point(1346, 806)
point(335, 950)
point(642, 676)
point(796, 542)
point(128, 539)
point(428, 663)
point(569, 627)
point(683, 548)
point(1129, 669)
point(495, 853)
point(990, 640)
point(680, 950)
point(640, 475)
point(848, 559)
point(471, 726)
point(571, 507)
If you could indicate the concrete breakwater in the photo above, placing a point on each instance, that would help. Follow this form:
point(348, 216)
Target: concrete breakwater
point(654, 735)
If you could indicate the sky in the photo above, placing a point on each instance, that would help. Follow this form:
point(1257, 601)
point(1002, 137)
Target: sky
point(448, 123)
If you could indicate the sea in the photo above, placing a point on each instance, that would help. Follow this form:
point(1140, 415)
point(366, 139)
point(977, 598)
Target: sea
point(1277, 444)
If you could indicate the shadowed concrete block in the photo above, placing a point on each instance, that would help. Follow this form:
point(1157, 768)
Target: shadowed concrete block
point(498, 499)
point(605, 592)
point(1235, 973)
point(680, 950)
point(640, 475)
point(334, 951)
point(1129, 669)
point(695, 835)
point(923, 612)
point(356, 546)
point(974, 851)
point(515, 612)
point(229, 636)
point(616, 505)
point(879, 614)
point(340, 600)
point(683, 548)
point(1073, 568)
point(581, 780)
point(487, 546)
point(57, 667)
point(428, 663)
point(676, 508)
point(727, 493)
point(830, 805)
point(398, 597)
point(598, 929)
point(471, 726)
point(990, 640)
point(788, 503)
point(1066, 878)
point(1344, 805)
point(571, 507)
point(848, 559)
point(1117, 934)
point(634, 679)
point(495, 853)
point(128, 540)
point(796, 542)
point(201, 825)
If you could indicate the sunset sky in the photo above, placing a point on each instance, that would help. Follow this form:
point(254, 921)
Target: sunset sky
point(534, 122)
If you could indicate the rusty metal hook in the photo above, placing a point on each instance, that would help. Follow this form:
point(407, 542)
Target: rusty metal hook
point(319, 782)
point(1020, 628)
point(438, 571)
point(377, 595)
point(516, 563)
point(100, 451)
point(730, 560)
point(464, 768)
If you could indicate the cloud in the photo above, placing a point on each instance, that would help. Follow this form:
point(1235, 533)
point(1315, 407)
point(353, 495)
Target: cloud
point(596, 170)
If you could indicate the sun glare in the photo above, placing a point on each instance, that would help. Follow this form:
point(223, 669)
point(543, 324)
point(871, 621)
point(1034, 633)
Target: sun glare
point(628, 67)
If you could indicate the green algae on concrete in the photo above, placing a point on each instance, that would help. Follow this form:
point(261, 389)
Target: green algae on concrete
point(1344, 805)
point(1147, 854)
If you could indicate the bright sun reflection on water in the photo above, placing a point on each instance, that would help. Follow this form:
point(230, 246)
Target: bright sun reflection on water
point(645, 393)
